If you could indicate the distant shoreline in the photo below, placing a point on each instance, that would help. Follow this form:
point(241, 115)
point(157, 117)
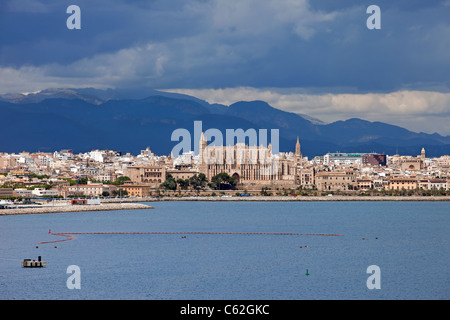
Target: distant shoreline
point(285, 198)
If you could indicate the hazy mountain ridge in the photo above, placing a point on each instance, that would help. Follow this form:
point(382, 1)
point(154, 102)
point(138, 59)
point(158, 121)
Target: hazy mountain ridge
point(84, 119)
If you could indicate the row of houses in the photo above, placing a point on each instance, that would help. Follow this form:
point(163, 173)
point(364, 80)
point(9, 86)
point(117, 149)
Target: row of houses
point(89, 190)
point(348, 180)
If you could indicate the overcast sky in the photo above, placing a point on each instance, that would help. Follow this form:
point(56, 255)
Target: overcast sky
point(312, 57)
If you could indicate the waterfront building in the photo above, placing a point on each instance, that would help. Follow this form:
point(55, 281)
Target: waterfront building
point(136, 190)
point(336, 181)
point(305, 177)
point(181, 174)
point(41, 192)
point(423, 184)
point(23, 193)
point(90, 190)
point(6, 192)
point(365, 184)
point(401, 182)
point(437, 184)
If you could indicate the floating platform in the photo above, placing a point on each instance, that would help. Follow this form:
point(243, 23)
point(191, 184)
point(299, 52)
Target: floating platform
point(28, 263)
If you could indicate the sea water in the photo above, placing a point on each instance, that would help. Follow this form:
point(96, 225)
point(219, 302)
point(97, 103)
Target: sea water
point(408, 241)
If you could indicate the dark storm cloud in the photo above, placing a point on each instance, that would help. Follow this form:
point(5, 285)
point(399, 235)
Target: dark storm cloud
point(225, 43)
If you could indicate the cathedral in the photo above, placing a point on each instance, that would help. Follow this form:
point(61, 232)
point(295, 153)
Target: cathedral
point(250, 165)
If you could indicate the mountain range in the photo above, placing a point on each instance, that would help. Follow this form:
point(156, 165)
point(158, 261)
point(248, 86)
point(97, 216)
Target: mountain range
point(88, 118)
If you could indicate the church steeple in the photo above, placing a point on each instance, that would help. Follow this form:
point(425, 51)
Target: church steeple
point(298, 152)
point(203, 145)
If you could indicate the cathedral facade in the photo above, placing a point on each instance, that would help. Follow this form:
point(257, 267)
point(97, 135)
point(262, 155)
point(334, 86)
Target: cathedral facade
point(250, 165)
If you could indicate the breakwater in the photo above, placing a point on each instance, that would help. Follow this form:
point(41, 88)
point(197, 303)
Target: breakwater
point(75, 208)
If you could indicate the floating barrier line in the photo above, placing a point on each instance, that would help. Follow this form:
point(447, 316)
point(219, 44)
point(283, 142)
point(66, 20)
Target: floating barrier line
point(58, 234)
point(71, 237)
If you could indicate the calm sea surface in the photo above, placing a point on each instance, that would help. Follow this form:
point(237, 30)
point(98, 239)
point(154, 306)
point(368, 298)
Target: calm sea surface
point(408, 241)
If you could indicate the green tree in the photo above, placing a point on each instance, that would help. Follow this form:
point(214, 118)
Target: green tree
point(223, 181)
point(169, 183)
point(121, 180)
point(183, 183)
point(198, 181)
point(264, 191)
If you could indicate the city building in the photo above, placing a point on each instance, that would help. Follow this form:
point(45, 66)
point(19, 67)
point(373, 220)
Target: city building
point(342, 158)
point(373, 159)
point(146, 174)
point(305, 177)
point(438, 184)
point(336, 181)
point(181, 174)
point(41, 192)
point(399, 183)
point(136, 190)
point(23, 193)
point(365, 184)
point(413, 164)
point(6, 192)
point(90, 190)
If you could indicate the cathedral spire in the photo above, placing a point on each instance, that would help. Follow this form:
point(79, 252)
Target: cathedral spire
point(298, 151)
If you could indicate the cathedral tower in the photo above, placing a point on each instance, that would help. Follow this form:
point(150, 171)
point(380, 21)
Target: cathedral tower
point(298, 152)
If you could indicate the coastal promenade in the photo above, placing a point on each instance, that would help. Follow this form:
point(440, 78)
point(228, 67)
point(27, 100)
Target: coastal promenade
point(76, 208)
point(283, 198)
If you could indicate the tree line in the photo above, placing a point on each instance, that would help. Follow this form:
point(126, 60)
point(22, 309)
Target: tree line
point(221, 181)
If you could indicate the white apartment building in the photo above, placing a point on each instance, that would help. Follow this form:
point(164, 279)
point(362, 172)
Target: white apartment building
point(41, 192)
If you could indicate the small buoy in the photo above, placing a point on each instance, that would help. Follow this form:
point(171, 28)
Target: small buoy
point(306, 246)
point(301, 247)
point(307, 273)
point(37, 247)
point(364, 238)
